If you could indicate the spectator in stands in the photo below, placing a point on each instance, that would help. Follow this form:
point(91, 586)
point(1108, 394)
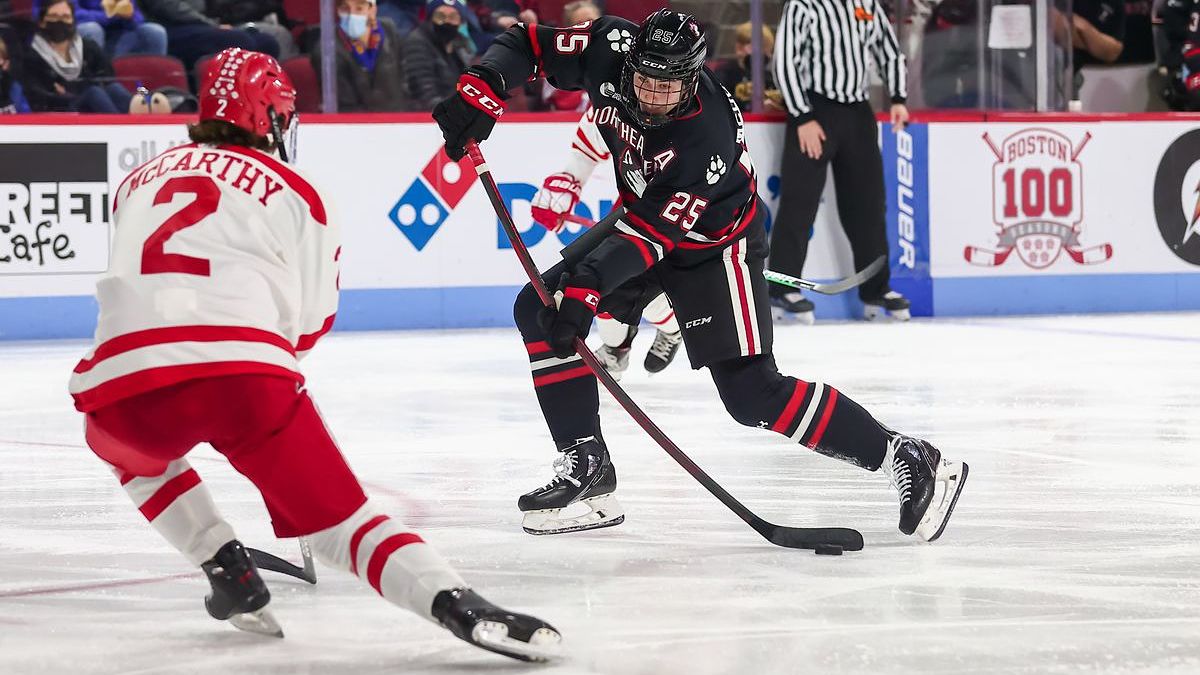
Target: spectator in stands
point(489, 18)
point(1097, 33)
point(1139, 33)
point(1180, 57)
point(735, 72)
point(191, 34)
point(66, 72)
point(369, 69)
point(406, 14)
point(118, 27)
point(436, 53)
point(573, 13)
point(12, 99)
point(256, 15)
point(505, 14)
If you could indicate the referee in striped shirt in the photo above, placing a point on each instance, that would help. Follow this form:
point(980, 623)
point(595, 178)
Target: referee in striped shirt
point(821, 55)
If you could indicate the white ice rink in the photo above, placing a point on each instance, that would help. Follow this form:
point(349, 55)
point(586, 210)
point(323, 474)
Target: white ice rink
point(1075, 547)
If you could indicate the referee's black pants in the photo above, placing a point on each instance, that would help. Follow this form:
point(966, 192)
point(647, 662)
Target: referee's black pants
point(851, 146)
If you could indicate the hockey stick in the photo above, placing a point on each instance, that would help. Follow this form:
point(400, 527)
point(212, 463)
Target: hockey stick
point(817, 538)
point(853, 281)
point(273, 563)
point(572, 218)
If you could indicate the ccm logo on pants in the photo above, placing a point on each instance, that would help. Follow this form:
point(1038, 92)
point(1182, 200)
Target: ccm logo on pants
point(698, 322)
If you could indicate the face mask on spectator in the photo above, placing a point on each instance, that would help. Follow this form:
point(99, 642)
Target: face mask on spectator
point(58, 31)
point(353, 25)
point(445, 32)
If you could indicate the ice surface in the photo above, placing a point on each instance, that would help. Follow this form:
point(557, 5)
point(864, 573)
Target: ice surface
point(1075, 547)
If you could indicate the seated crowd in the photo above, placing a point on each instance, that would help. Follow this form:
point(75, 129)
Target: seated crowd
point(405, 55)
point(392, 55)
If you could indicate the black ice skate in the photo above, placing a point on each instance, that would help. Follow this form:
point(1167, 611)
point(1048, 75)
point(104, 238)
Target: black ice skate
point(662, 351)
point(928, 485)
point(475, 620)
point(580, 495)
point(238, 592)
point(890, 304)
point(792, 306)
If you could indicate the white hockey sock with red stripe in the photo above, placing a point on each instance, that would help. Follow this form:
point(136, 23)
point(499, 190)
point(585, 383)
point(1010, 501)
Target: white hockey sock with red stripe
point(661, 314)
point(394, 561)
point(180, 508)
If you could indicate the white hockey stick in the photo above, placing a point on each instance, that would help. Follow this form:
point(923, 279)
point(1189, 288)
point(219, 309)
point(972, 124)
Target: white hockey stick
point(852, 281)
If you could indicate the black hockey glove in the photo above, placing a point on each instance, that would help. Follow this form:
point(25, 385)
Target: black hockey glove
point(472, 110)
point(577, 300)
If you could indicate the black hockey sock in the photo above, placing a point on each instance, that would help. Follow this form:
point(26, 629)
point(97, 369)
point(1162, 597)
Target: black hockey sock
point(567, 391)
point(822, 418)
point(813, 414)
point(566, 388)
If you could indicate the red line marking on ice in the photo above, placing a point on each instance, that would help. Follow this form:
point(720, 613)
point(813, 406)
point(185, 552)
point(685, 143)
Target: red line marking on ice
point(93, 586)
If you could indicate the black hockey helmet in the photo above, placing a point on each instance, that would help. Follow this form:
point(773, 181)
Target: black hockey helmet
point(668, 46)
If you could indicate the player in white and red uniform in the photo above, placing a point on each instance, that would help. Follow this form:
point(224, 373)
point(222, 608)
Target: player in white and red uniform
point(224, 274)
point(558, 197)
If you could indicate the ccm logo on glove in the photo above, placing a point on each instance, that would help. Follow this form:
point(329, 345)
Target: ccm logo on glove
point(583, 295)
point(479, 94)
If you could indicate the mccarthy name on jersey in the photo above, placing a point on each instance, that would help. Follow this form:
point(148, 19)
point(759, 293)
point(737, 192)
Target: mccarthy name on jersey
point(688, 187)
point(224, 262)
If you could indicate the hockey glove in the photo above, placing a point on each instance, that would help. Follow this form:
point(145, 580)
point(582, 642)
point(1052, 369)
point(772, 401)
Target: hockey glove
point(558, 196)
point(576, 300)
point(471, 111)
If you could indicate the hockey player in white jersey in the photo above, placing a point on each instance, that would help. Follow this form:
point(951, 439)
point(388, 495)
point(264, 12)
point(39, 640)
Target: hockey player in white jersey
point(223, 276)
point(551, 207)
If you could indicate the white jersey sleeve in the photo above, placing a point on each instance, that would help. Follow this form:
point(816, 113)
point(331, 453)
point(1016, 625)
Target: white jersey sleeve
point(224, 261)
point(587, 148)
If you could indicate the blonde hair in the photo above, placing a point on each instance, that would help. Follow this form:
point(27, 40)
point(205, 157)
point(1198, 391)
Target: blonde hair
point(743, 36)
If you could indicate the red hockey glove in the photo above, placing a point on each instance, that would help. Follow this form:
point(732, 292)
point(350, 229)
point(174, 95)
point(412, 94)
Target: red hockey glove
point(558, 196)
point(471, 111)
point(577, 300)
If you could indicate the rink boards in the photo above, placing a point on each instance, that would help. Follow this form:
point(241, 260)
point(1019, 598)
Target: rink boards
point(998, 215)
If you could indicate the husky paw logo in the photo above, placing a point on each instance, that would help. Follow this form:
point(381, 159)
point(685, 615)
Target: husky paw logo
point(620, 40)
point(716, 169)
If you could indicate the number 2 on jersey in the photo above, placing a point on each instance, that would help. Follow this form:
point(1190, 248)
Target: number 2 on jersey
point(154, 259)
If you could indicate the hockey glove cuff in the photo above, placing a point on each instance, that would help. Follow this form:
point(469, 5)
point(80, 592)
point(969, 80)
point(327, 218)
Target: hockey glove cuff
point(472, 111)
point(577, 300)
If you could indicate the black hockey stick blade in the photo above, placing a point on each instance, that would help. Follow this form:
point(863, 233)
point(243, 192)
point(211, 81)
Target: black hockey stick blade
point(789, 537)
point(853, 281)
point(272, 563)
point(810, 537)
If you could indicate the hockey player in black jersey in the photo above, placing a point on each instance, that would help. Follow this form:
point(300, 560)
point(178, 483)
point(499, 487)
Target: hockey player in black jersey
point(694, 228)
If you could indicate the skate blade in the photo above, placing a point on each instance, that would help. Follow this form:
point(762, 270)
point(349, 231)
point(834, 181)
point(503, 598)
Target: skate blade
point(603, 511)
point(260, 621)
point(544, 645)
point(781, 315)
point(938, 514)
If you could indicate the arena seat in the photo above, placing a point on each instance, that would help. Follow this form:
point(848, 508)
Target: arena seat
point(304, 78)
point(151, 70)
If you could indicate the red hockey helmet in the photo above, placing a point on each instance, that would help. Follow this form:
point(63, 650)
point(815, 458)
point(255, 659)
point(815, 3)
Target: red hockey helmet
point(243, 88)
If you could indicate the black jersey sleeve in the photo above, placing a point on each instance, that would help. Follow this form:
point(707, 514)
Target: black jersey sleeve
point(565, 56)
point(672, 203)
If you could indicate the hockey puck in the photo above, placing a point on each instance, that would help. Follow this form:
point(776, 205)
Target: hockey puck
point(828, 549)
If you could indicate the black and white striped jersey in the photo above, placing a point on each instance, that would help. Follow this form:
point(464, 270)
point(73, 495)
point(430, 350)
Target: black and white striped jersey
point(823, 46)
